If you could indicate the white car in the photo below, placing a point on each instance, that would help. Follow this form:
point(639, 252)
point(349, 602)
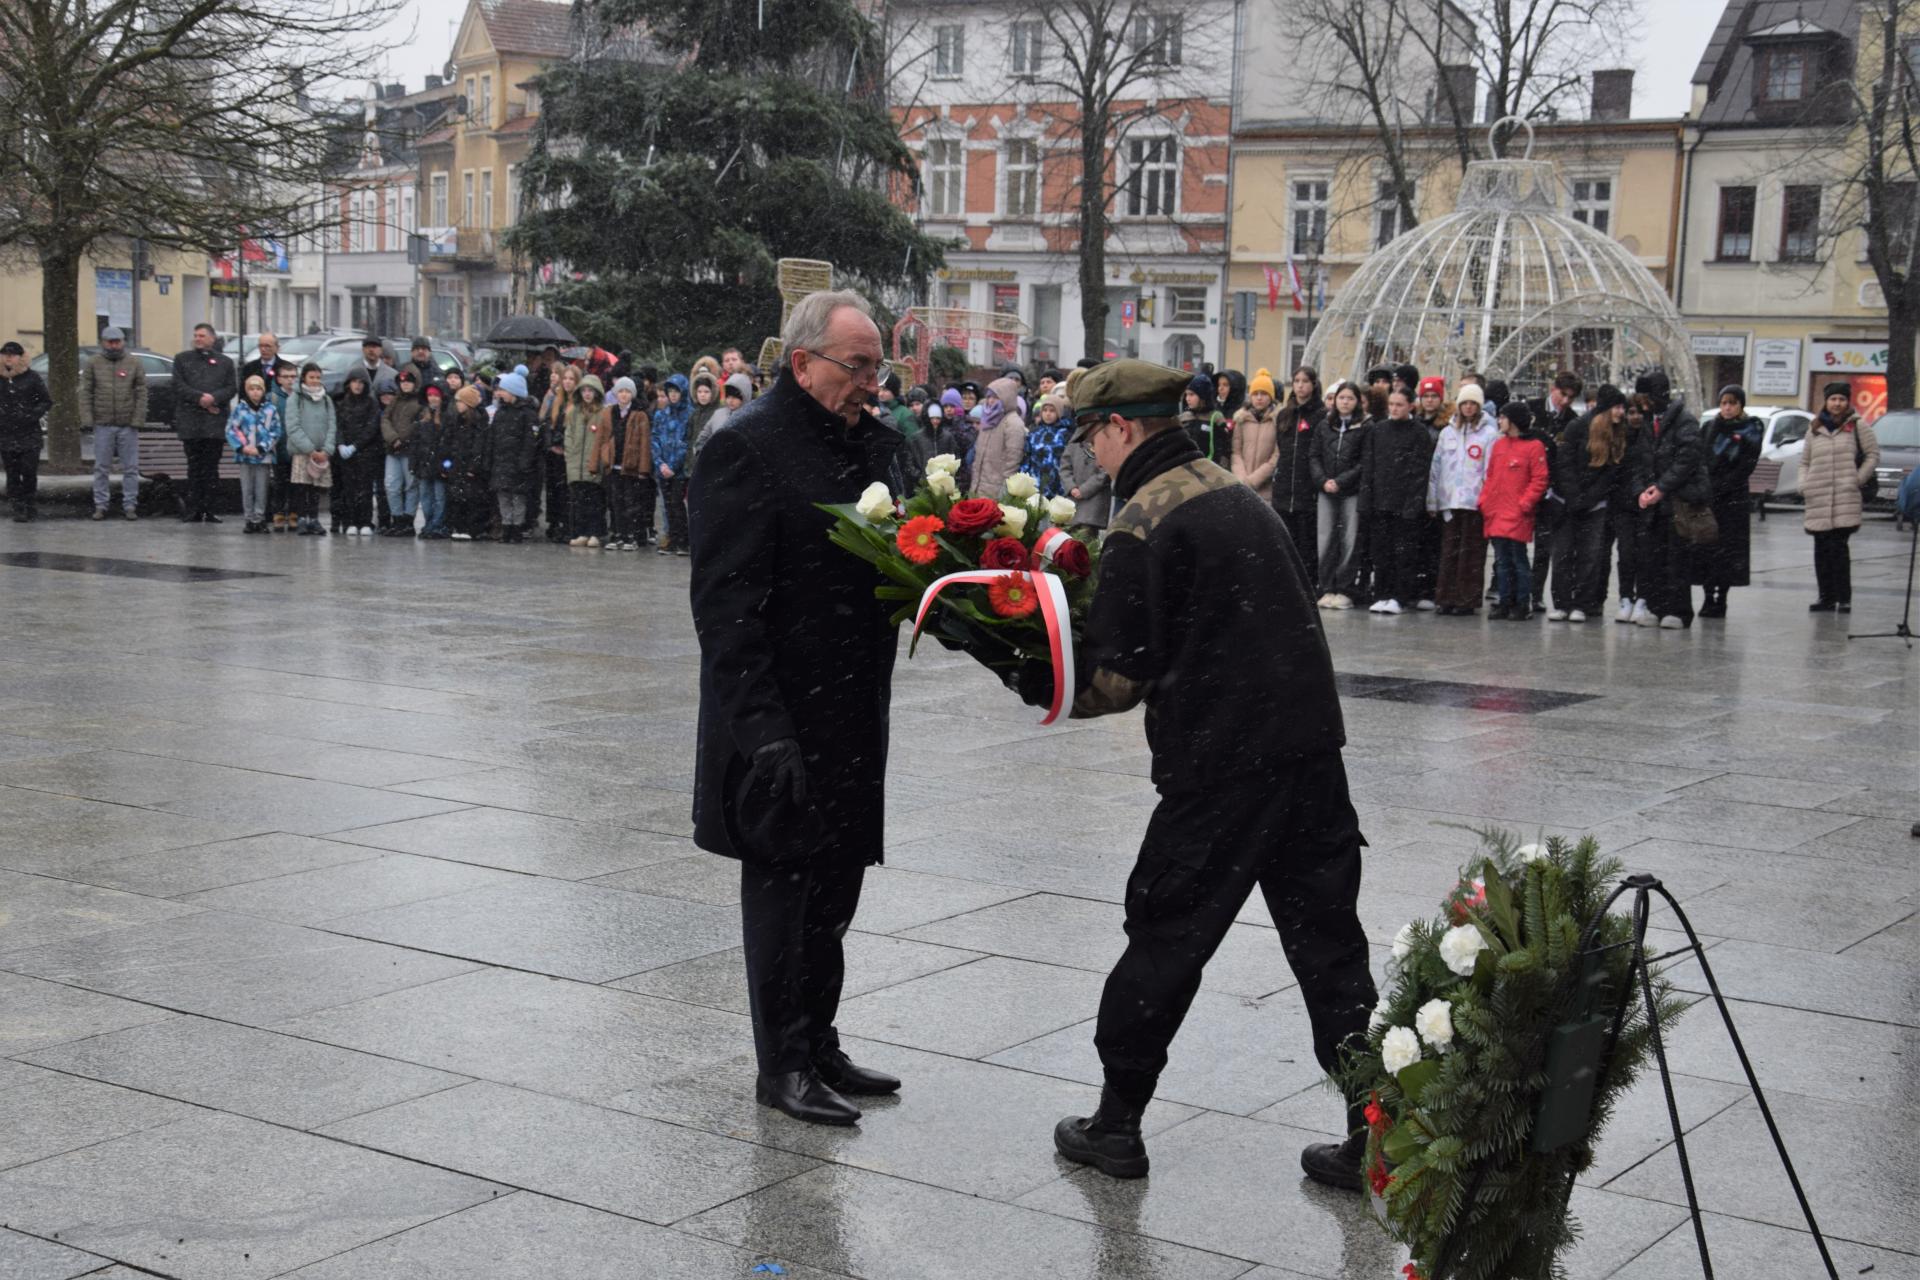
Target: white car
point(1786, 434)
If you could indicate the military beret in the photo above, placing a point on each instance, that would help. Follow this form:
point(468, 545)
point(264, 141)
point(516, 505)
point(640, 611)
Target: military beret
point(1130, 388)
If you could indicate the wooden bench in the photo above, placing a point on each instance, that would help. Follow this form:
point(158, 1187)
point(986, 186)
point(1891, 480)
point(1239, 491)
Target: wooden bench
point(1761, 484)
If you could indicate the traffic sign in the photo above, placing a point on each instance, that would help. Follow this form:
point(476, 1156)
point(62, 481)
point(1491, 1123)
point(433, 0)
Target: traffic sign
point(229, 288)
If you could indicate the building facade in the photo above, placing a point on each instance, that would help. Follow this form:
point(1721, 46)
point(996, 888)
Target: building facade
point(469, 166)
point(977, 96)
point(1774, 279)
point(155, 297)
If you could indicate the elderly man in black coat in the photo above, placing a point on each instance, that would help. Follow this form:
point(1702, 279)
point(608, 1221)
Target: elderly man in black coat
point(796, 669)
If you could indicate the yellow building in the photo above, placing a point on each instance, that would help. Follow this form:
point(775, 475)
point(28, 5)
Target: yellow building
point(470, 168)
point(1312, 201)
point(157, 312)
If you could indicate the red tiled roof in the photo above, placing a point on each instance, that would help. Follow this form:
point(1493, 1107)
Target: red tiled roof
point(519, 124)
point(529, 26)
point(439, 137)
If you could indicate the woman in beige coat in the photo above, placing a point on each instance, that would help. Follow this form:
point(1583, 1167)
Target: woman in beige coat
point(1256, 444)
point(1002, 441)
point(1839, 456)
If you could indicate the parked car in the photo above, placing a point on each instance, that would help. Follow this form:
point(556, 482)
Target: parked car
point(1898, 434)
point(159, 380)
point(1786, 432)
point(442, 355)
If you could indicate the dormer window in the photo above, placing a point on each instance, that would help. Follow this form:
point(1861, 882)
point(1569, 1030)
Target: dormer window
point(1782, 73)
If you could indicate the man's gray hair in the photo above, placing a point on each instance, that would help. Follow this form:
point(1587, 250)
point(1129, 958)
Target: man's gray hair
point(807, 327)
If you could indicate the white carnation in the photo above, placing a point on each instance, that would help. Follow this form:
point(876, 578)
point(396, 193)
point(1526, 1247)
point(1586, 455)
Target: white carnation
point(875, 502)
point(1530, 853)
point(1378, 1018)
point(942, 464)
point(1013, 522)
point(1435, 1024)
point(1020, 486)
point(942, 484)
point(1399, 1049)
point(1403, 941)
point(1460, 946)
point(1061, 510)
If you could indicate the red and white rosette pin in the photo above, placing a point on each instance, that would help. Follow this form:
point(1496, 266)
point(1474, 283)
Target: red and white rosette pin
point(1052, 595)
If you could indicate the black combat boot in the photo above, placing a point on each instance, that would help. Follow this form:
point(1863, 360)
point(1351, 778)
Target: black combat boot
point(1109, 1139)
point(1336, 1164)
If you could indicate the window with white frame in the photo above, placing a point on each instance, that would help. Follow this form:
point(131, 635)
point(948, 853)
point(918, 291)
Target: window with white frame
point(407, 223)
point(1593, 203)
point(1023, 177)
point(486, 101)
point(1309, 221)
point(1157, 35)
point(946, 177)
point(1186, 306)
point(1389, 219)
point(466, 198)
point(1028, 47)
point(1299, 334)
point(513, 194)
point(1153, 177)
point(486, 198)
point(949, 51)
point(390, 233)
point(437, 184)
point(470, 95)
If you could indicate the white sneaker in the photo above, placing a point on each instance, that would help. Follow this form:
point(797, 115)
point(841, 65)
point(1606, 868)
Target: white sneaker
point(594, 543)
point(1556, 615)
point(1325, 601)
point(577, 542)
point(463, 537)
point(1389, 606)
point(1671, 624)
point(1578, 615)
point(1626, 612)
point(1338, 601)
point(1644, 617)
point(1424, 606)
point(1378, 606)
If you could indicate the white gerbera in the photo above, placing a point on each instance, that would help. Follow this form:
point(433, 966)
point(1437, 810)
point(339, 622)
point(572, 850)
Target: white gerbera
point(1399, 1049)
point(1013, 522)
point(1020, 486)
point(1434, 1021)
point(1061, 510)
point(875, 502)
point(1460, 946)
point(943, 464)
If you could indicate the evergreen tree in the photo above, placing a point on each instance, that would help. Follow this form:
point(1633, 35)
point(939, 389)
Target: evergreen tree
point(672, 170)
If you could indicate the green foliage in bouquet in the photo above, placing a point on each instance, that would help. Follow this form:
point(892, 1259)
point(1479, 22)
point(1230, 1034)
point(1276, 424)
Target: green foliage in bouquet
point(1460, 1069)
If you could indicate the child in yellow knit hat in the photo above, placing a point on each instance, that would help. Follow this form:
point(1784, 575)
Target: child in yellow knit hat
point(1256, 449)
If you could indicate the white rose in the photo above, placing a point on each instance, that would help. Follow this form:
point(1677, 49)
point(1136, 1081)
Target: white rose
point(1530, 853)
point(942, 484)
point(1460, 946)
point(875, 502)
point(1061, 510)
point(1013, 522)
point(1403, 941)
point(1020, 486)
point(1435, 1023)
point(1399, 1049)
point(942, 464)
point(1378, 1018)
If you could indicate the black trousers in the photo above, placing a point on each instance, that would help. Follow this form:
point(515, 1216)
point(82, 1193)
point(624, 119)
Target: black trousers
point(794, 920)
point(1426, 568)
point(353, 491)
point(631, 499)
point(282, 500)
point(23, 476)
point(203, 474)
point(1293, 833)
point(1396, 555)
point(587, 501)
point(1546, 528)
point(559, 513)
point(1832, 566)
point(1304, 527)
point(1668, 570)
point(1632, 531)
point(1580, 559)
point(673, 494)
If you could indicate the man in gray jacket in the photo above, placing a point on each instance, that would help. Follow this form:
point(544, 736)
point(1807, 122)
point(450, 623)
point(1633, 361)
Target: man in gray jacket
point(113, 397)
point(203, 390)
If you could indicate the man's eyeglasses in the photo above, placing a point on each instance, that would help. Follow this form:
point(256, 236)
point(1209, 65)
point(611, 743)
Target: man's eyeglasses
point(863, 373)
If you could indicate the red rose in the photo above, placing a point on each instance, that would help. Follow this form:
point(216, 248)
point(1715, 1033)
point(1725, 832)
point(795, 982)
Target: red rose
point(1072, 558)
point(973, 515)
point(1004, 553)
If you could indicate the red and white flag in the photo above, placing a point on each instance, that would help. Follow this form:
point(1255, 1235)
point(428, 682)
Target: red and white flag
point(1273, 288)
point(1293, 280)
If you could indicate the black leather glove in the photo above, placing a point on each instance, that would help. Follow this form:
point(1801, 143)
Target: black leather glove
point(779, 766)
point(1033, 681)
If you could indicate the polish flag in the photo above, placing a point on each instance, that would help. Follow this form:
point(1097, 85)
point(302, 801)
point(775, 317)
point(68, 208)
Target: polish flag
point(1293, 280)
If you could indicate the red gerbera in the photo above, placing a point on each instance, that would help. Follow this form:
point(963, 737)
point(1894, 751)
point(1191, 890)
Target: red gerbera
point(1013, 596)
point(917, 540)
point(974, 515)
point(1004, 553)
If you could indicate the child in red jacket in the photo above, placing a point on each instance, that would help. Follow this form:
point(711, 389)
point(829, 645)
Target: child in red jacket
point(1516, 481)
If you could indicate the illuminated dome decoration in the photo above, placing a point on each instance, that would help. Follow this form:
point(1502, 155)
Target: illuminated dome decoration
point(1509, 286)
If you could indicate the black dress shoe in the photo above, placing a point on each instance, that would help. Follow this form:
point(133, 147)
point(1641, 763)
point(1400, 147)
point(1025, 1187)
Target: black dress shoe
point(838, 1072)
point(1108, 1140)
point(1821, 606)
point(1336, 1164)
point(211, 518)
point(801, 1095)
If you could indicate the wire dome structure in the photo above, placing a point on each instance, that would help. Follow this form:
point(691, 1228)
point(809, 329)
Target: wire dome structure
point(1510, 286)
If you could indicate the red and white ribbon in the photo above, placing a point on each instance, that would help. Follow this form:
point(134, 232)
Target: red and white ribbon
point(1052, 594)
point(1047, 546)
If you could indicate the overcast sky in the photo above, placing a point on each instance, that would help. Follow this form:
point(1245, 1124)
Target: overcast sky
point(1675, 33)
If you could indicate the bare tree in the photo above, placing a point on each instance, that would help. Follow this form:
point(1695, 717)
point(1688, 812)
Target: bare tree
point(184, 122)
point(1886, 181)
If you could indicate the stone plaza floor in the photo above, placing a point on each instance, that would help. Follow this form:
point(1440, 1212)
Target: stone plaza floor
point(350, 930)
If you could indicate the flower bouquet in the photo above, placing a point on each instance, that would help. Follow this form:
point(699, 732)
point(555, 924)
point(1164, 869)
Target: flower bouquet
point(1000, 578)
point(1486, 1093)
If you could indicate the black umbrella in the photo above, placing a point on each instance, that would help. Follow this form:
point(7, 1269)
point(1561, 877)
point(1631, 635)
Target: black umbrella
point(529, 332)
